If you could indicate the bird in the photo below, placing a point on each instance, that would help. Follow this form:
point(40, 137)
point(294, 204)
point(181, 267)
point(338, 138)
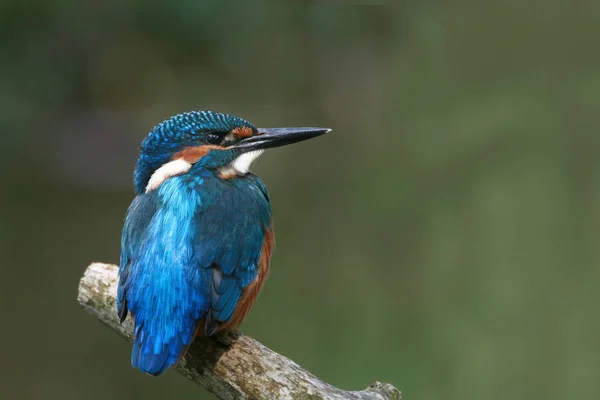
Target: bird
point(197, 238)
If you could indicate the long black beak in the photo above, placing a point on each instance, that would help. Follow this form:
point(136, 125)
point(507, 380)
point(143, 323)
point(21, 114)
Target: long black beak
point(275, 137)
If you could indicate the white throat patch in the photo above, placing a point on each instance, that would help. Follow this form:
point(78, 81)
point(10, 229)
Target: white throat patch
point(166, 171)
point(241, 165)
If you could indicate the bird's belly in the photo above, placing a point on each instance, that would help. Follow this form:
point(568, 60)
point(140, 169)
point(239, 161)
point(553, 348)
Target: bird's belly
point(251, 291)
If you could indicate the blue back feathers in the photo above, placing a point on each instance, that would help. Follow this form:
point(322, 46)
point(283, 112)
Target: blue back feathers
point(188, 250)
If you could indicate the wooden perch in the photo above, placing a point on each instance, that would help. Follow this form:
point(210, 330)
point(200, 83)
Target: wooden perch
point(244, 370)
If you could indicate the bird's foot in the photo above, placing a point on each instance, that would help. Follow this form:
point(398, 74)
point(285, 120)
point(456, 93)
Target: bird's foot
point(227, 338)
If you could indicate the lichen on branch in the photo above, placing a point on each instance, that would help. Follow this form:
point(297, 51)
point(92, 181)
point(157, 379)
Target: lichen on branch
point(243, 370)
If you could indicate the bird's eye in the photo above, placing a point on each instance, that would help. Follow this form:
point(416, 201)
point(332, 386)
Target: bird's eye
point(213, 138)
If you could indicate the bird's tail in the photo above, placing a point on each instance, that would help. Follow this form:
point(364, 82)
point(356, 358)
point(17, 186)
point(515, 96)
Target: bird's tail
point(152, 355)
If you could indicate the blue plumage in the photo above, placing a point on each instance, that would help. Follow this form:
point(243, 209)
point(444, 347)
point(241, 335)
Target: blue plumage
point(191, 226)
point(193, 241)
point(173, 134)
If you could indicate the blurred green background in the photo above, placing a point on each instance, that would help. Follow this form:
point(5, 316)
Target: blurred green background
point(442, 238)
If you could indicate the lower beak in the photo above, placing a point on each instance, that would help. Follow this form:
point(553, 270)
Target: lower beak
point(275, 137)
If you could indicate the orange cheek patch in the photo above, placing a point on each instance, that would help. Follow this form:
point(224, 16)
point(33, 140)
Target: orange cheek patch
point(193, 154)
point(242, 132)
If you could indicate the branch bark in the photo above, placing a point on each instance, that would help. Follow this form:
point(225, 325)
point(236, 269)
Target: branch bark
point(244, 370)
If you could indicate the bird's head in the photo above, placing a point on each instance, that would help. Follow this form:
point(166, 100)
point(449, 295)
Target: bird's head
point(207, 140)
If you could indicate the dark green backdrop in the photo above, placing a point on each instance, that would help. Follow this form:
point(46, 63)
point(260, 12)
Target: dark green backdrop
point(443, 237)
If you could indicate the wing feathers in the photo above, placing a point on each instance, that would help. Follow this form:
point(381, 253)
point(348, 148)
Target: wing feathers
point(189, 251)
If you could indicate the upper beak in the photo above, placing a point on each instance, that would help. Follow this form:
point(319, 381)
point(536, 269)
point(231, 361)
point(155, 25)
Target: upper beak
point(275, 137)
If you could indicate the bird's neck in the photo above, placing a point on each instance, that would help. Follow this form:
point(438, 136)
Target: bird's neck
point(146, 166)
point(154, 170)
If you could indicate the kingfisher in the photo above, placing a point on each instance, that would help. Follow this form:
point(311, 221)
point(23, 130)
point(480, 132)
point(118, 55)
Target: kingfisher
point(198, 237)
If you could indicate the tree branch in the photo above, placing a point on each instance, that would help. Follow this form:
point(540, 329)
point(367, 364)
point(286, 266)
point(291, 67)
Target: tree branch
point(244, 370)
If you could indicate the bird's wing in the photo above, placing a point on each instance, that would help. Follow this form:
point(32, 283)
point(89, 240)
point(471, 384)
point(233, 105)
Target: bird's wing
point(159, 281)
point(229, 240)
point(139, 215)
point(188, 250)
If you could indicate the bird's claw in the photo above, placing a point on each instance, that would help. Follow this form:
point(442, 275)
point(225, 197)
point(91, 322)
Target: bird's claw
point(227, 338)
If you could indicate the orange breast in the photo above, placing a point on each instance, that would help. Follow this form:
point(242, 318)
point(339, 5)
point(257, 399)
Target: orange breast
point(251, 291)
